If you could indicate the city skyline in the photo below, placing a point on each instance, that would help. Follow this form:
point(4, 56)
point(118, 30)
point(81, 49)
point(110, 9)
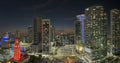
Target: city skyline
point(59, 31)
point(17, 15)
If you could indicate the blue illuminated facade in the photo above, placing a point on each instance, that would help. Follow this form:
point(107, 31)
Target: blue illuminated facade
point(5, 39)
point(81, 18)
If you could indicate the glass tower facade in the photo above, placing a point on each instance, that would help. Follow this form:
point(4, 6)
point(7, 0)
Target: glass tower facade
point(52, 33)
point(37, 30)
point(30, 34)
point(81, 18)
point(115, 30)
point(77, 31)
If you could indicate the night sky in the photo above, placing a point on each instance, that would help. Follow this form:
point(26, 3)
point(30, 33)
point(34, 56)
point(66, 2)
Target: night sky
point(18, 14)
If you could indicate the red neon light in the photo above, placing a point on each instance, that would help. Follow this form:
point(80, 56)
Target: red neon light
point(17, 54)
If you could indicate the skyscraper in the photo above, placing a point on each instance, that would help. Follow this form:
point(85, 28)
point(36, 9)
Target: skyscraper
point(77, 31)
point(96, 31)
point(45, 36)
point(41, 41)
point(37, 30)
point(17, 34)
point(52, 33)
point(115, 29)
point(79, 28)
point(37, 38)
point(30, 34)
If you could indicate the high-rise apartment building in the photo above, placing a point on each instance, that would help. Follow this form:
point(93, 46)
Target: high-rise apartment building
point(115, 30)
point(41, 40)
point(45, 36)
point(77, 31)
point(52, 33)
point(96, 31)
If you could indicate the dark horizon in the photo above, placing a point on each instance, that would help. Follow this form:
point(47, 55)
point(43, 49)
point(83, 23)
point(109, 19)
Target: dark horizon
point(17, 14)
